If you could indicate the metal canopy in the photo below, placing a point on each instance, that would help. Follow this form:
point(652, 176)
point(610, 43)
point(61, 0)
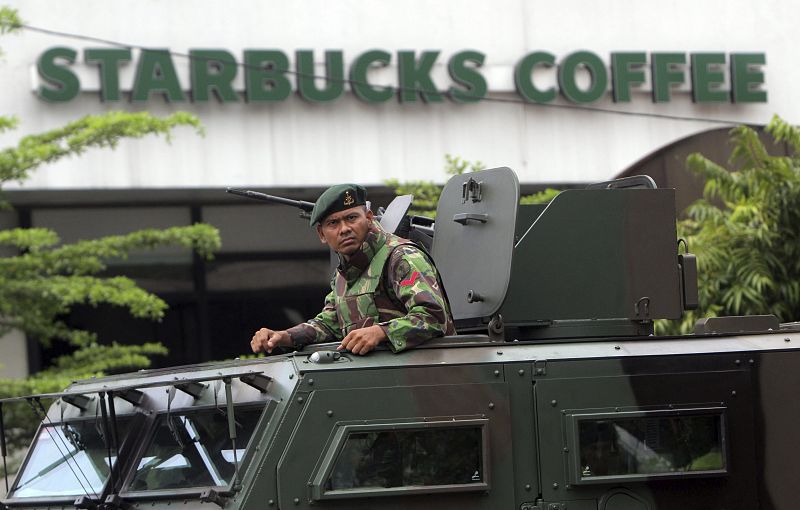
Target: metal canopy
point(118, 390)
point(474, 240)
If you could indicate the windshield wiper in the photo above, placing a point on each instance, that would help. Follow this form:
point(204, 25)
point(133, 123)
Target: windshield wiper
point(73, 436)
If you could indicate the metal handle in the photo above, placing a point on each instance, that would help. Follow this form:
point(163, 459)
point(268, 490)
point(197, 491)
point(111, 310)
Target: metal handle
point(464, 218)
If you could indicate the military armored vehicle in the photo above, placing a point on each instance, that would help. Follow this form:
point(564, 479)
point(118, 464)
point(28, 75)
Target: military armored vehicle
point(554, 395)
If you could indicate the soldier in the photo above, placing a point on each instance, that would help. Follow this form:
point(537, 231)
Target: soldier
point(385, 290)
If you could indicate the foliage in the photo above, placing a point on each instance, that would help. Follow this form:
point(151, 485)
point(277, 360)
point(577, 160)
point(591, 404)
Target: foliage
point(542, 197)
point(42, 279)
point(92, 131)
point(9, 22)
point(426, 193)
point(745, 230)
point(89, 361)
point(44, 282)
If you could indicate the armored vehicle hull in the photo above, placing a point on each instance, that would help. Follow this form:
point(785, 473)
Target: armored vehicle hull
point(464, 422)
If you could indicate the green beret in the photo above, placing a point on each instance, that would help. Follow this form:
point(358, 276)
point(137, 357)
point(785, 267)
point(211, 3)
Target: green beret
point(338, 198)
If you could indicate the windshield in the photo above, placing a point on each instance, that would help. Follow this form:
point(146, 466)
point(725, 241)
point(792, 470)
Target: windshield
point(68, 459)
point(192, 449)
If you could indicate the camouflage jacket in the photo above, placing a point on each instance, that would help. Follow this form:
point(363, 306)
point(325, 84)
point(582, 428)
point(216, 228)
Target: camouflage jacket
point(389, 282)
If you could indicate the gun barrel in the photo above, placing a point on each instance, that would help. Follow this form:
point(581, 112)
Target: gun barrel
point(301, 204)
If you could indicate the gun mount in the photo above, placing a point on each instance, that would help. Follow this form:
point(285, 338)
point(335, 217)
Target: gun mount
point(593, 262)
point(568, 403)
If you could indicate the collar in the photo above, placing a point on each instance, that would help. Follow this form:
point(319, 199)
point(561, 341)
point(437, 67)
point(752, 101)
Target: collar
point(353, 266)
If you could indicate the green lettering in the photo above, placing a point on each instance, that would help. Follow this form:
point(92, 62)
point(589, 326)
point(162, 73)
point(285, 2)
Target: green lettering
point(415, 76)
point(597, 72)
point(705, 80)
point(626, 70)
point(468, 76)
point(108, 61)
point(265, 75)
point(64, 84)
point(358, 76)
point(156, 73)
point(212, 72)
point(666, 70)
point(745, 79)
point(523, 77)
point(334, 76)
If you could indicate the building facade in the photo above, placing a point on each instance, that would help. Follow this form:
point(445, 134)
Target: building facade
point(295, 96)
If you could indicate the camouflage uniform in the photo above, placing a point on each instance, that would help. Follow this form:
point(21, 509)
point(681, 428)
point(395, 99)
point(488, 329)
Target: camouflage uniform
point(389, 282)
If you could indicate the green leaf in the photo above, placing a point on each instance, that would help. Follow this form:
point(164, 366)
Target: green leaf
point(746, 230)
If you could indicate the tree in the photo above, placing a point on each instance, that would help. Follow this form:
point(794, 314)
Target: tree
point(41, 283)
point(745, 230)
point(426, 193)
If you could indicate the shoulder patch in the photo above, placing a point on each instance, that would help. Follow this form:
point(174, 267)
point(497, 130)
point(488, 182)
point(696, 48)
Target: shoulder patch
point(401, 269)
point(410, 280)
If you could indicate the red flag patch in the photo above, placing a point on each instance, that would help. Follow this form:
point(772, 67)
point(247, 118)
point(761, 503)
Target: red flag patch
point(410, 280)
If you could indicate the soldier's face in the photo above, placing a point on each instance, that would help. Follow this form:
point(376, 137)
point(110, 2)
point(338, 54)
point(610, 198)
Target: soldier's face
point(344, 231)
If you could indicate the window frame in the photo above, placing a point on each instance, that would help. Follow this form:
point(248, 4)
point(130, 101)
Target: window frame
point(10, 500)
point(267, 407)
point(342, 432)
point(572, 427)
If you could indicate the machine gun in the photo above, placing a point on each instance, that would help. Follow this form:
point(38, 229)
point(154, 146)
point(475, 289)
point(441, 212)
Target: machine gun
point(394, 218)
point(305, 207)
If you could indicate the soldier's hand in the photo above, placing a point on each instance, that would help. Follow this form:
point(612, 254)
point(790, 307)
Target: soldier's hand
point(266, 339)
point(361, 341)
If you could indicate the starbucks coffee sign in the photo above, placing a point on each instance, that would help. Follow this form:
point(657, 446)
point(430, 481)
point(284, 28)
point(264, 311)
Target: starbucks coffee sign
point(580, 77)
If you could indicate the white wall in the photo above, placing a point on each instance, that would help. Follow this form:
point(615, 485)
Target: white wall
point(295, 143)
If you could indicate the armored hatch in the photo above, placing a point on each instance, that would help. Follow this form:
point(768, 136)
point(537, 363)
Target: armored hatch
point(592, 262)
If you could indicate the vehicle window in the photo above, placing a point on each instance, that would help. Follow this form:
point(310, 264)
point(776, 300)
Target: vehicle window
point(192, 449)
point(69, 459)
point(409, 457)
point(651, 445)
